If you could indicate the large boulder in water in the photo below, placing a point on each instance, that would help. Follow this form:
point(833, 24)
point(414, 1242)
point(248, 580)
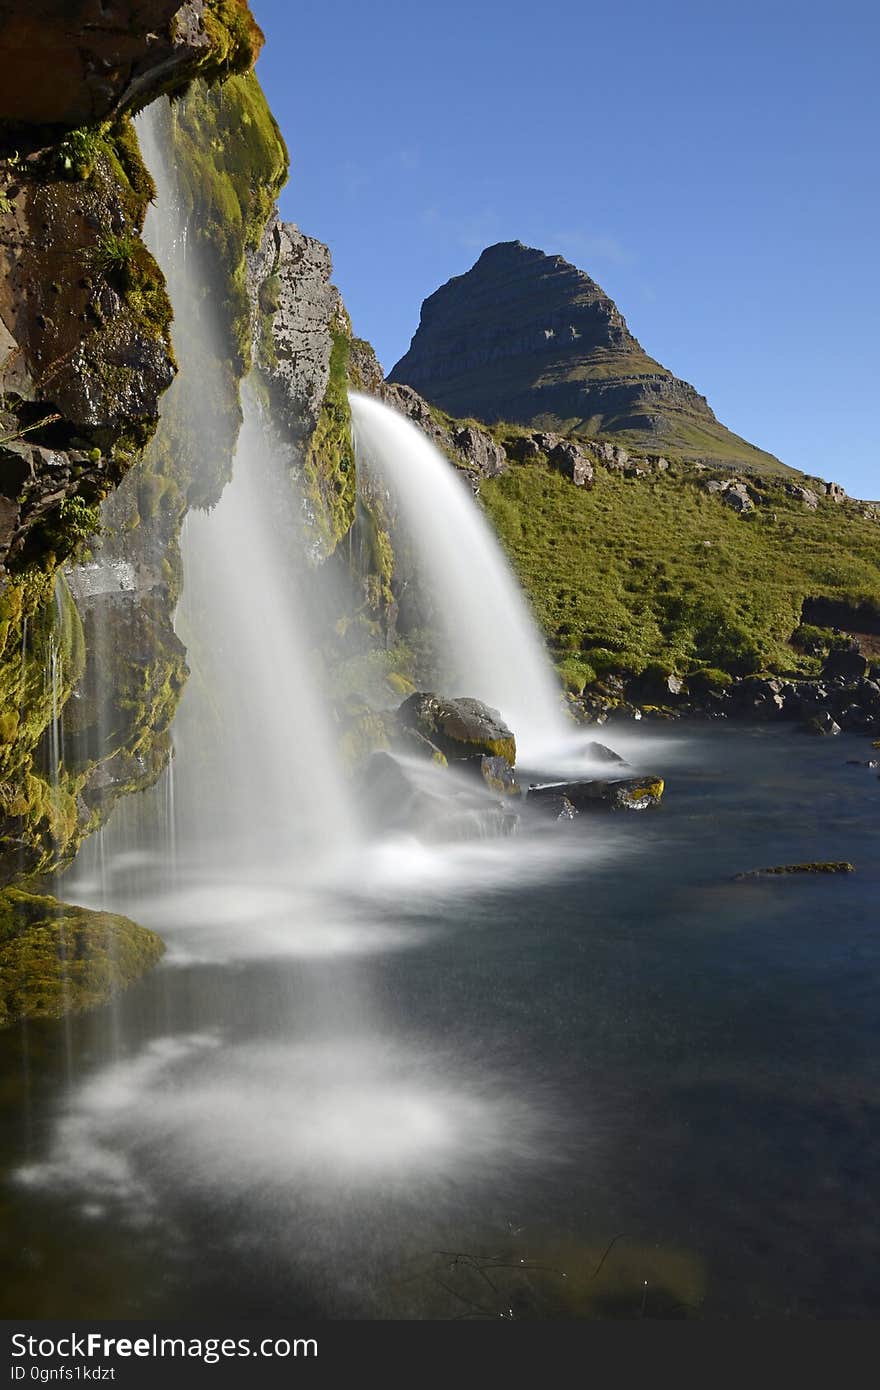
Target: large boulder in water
point(462, 729)
point(623, 794)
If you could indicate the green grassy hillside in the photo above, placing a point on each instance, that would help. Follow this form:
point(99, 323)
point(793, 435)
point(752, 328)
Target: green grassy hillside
point(659, 570)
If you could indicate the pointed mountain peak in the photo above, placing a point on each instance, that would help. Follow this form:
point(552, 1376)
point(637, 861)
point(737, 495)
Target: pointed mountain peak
point(525, 336)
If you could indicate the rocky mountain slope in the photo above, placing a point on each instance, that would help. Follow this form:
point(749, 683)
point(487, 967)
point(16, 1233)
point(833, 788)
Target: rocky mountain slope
point(527, 338)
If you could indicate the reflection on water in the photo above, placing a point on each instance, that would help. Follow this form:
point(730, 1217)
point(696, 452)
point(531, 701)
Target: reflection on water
point(284, 1125)
point(444, 1082)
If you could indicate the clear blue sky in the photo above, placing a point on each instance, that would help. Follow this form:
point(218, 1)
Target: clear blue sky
point(714, 168)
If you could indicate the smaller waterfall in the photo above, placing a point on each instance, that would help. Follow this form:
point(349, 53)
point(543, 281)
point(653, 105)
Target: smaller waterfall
point(493, 649)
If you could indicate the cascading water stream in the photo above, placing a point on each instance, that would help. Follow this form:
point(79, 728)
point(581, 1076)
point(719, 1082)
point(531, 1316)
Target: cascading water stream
point(493, 651)
point(257, 778)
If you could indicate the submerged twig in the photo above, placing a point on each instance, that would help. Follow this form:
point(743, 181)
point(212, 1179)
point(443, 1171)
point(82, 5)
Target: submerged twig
point(608, 1248)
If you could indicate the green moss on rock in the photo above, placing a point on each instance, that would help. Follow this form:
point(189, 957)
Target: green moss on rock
point(231, 163)
point(329, 474)
point(236, 39)
point(42, 656)
point(57, 959)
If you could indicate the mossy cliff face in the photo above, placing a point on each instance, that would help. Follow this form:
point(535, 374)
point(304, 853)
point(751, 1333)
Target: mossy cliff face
point(229, 163)
point(85, 357)
point(85, 351)
point(58, 959)
point(42, 655)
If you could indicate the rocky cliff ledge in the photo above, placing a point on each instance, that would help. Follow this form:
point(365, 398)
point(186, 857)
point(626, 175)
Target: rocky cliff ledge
point(528, 338)
point(75, 63)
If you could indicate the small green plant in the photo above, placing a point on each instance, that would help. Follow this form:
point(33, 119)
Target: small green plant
point(75, 156)
point(115, 252)
point(79, 519)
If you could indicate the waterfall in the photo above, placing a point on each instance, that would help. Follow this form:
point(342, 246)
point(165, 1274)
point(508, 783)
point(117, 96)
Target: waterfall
point(257, 779)
point(255, 789)
point(492, 648)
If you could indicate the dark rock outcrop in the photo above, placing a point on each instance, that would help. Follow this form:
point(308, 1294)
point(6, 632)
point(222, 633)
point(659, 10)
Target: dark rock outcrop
point(732, 491)
point(499, 776)
point(804, 494)
point(462, 729)
point(603, 754)
point(302, 342)
point(302, 310)
point(72, 63)
point(85, 351)
point(856, 618)
point(528, 338)
point(553, 805)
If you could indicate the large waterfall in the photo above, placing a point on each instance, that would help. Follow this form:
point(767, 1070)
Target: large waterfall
point(257, 776)
point(491, 646)
point(252, 806)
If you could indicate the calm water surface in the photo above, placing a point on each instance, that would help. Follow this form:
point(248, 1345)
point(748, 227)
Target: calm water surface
point(445, 1086)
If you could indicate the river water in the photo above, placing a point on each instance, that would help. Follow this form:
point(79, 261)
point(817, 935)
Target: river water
point(579, 1073)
